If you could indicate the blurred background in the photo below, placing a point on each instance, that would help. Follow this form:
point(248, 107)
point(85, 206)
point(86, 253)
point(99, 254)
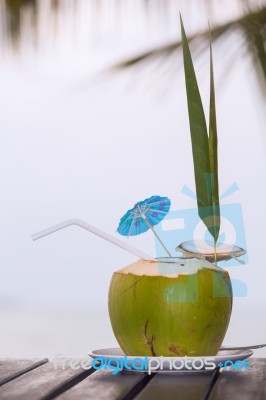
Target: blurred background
point(93, 118)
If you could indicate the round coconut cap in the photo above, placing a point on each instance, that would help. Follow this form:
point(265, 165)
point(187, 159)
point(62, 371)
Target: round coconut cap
point(203, 249)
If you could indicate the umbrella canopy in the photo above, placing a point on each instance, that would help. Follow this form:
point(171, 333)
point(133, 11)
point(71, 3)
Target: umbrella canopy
point(153, 209)
point(143, 216)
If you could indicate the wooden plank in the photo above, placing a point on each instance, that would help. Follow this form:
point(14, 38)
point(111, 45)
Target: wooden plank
point(102, 385)
point(45, 382)
point(10, 368)
point(179, 385)
point(242, 385)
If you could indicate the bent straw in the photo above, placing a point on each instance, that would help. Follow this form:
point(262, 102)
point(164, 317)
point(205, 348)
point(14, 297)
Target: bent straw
point(94, 230)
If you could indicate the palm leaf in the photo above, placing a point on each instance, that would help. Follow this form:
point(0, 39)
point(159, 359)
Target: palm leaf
point(204, 146)
point(213, 147)
point(250, 26)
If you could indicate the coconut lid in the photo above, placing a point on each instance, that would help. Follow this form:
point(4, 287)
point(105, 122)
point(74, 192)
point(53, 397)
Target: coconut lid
point(204, 249)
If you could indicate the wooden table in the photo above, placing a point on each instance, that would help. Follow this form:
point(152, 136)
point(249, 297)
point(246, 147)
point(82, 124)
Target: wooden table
point(38, 379)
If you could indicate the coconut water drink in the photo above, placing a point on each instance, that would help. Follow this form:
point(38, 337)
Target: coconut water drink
point(170, 307)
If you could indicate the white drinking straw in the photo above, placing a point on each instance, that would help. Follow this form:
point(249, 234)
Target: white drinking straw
point(94, 230)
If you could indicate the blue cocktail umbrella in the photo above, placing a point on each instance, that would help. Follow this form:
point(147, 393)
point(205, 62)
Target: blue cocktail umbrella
point(143, 216)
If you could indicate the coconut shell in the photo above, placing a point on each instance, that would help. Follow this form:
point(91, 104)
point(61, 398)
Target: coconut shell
point(176, 308)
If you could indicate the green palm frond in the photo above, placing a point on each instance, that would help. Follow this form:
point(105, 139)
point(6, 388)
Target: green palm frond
point(14, 10)
point(251, 26)
point(204, 142)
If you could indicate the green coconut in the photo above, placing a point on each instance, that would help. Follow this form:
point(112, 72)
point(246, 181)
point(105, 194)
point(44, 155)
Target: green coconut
point(170, 307)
